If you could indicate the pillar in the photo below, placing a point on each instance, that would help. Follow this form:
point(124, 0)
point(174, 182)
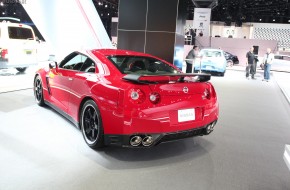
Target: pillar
point(153, 26)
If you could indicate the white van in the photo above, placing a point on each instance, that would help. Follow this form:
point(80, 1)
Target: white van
point(18, 46)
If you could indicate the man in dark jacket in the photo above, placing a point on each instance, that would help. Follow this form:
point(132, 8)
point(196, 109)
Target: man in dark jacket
point(250, 69)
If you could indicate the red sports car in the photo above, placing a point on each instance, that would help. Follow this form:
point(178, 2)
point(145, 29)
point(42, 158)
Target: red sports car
point(129, 99)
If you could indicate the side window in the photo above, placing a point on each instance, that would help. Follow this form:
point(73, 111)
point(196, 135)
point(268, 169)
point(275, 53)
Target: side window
point(78, 62)
point(89, 66)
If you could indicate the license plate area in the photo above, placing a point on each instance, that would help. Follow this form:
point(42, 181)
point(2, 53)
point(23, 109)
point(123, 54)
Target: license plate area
point(186, 115)
point(28, 52)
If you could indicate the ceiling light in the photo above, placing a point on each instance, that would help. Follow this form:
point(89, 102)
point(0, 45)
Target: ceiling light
point(3, 13)
point(106, 6)
point(260, 19)
point(100, 3)
point(108, 13)
point(2, 4)
point(274, 20)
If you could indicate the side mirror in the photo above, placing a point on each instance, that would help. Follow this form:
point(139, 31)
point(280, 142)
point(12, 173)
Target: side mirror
point(53, 65)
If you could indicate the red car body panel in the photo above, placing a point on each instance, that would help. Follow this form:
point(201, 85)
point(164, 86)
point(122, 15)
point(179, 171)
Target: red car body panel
point(67, 90)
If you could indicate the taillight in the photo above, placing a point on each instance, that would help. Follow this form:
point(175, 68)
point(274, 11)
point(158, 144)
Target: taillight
point(4, 53)
point(154, 98)
point(209, 93)
point(137, 95)
point(206, 94)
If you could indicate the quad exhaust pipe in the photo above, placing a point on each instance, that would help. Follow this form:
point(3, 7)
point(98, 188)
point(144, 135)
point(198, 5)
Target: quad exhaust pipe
point(209, 128)
point(138, 140)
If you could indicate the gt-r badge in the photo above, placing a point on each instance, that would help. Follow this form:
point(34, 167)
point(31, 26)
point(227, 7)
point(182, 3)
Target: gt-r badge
point(185, 89)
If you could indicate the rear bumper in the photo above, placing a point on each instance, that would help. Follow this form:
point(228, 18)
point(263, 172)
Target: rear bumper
point(4, 64)
point(124, 140)
point(210, 69)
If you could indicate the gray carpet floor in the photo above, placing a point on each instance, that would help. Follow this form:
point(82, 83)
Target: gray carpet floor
point(39, 149)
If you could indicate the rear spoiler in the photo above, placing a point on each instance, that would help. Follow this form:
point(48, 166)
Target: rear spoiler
point(165, 78)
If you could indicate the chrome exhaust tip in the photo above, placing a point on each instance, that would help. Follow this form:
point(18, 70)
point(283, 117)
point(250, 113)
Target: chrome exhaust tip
point(147, 141)
point(208, 129)
point(135, 140)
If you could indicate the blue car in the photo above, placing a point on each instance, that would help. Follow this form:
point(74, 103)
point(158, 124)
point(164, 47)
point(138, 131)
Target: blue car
point(212, 60)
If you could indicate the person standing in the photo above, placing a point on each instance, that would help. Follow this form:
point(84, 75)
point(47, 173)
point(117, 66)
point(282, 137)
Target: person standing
point(192, 54)
point(250, 64)
point(268, 60)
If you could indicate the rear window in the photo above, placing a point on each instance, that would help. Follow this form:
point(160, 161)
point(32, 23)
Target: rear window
point(20, 33)
point(210, 53)
point(141, 65)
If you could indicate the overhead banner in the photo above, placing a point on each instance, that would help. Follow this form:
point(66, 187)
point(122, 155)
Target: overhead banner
point(201, 21)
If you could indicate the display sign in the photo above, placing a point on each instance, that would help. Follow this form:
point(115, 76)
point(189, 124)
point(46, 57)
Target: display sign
point(201, 21)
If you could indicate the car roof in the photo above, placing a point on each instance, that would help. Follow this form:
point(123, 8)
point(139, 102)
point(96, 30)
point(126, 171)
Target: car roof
point(4, 23)
point(108, 52)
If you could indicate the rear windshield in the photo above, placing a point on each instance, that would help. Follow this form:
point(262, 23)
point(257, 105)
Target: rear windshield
point(141, 65)
point(210, 53)
point(20, 33)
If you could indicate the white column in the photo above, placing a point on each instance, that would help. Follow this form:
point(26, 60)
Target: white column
point(68, 25)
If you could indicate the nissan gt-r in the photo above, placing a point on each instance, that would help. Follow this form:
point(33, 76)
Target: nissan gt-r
point(126, 98)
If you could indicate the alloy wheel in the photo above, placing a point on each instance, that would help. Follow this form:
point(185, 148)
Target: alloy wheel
point(90, 124)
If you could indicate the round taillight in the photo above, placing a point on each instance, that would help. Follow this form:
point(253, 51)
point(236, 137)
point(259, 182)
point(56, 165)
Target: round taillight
point(206, 94)
point(154, 98)
point(137, 95)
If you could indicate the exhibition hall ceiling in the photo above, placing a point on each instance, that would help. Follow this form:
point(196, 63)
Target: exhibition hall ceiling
point(227, 11)
point(276, 11)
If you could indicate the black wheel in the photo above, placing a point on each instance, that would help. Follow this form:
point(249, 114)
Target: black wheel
point(230, 63)
point(38, 91)
point(222, 74)
point(91, 125)
point(21, 69)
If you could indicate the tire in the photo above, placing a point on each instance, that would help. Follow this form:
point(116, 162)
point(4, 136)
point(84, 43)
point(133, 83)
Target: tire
point(21, 69)
point(91, 125)
point(38, 91)
point(236, 62)
point(222, 74)
point(230, 63)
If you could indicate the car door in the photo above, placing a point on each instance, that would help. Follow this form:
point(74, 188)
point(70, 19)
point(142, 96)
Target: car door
point(60, 80)
point(83, 80)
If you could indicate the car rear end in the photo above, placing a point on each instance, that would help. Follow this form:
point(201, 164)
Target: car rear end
point(212, 61)
point(18, 46)
point(163, 107)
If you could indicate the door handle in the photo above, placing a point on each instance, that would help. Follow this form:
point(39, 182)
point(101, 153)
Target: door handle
point(70, 78)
